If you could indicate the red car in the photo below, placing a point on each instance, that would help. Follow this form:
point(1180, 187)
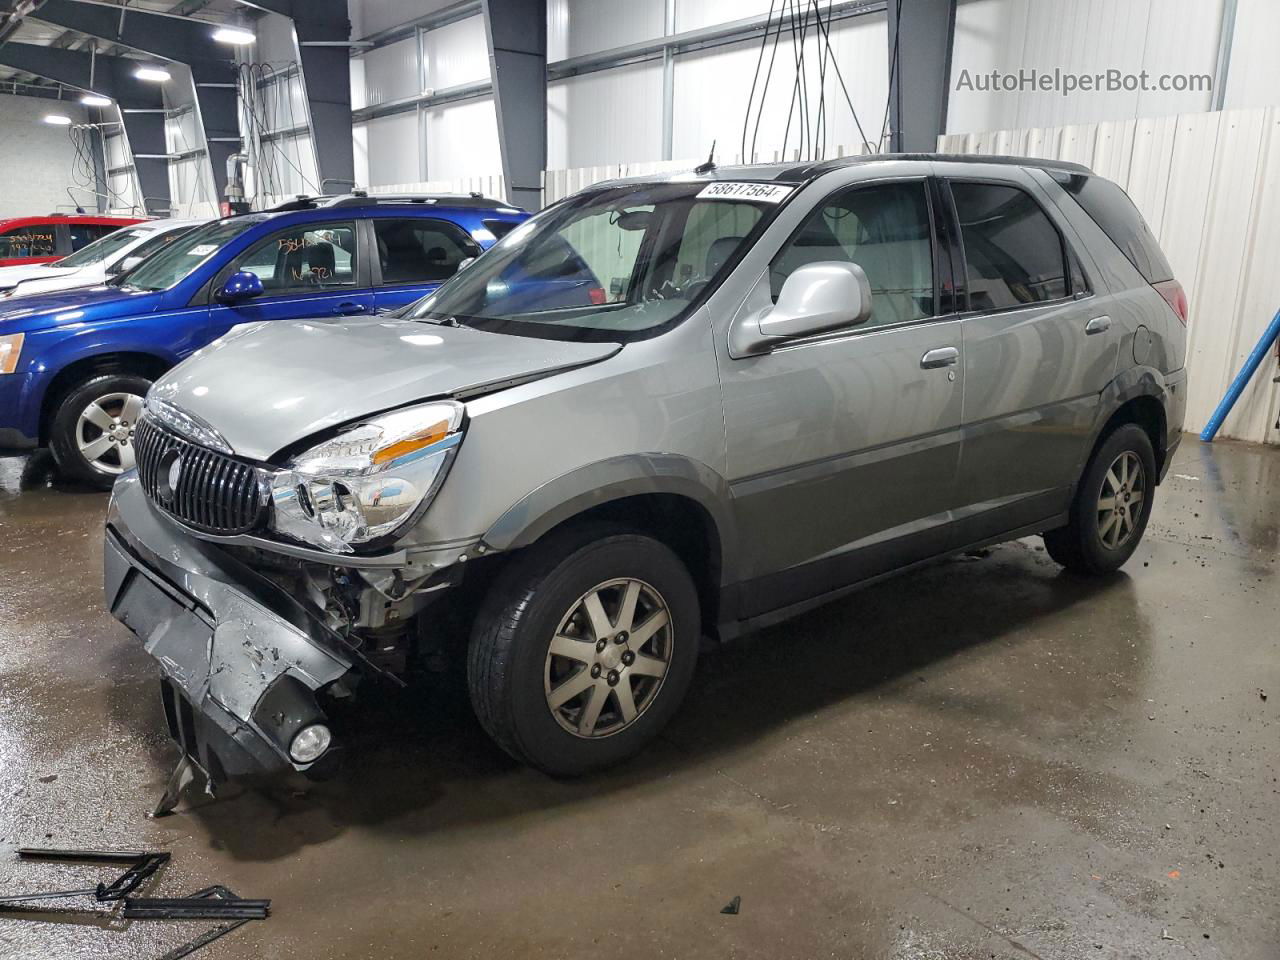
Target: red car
point(43, 239)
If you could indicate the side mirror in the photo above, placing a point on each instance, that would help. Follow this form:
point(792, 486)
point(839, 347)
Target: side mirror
point(241, 286)
point(125, 265)
point(816, 298)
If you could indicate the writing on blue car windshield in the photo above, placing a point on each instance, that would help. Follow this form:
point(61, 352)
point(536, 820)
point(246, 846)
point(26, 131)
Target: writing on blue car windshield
point(179, 259)
point(616, 264)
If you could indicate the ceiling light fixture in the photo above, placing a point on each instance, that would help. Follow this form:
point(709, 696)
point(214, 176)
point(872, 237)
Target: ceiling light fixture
point(57, 118)
point(154, 74)
point(234, 35)
point(93, 100)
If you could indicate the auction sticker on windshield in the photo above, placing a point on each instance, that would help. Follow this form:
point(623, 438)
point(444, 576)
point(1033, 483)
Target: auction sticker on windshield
point(203, 250)
point(760, 192)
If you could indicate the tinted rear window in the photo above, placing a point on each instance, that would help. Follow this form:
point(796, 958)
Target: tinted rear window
point(500, 228)
point(1112, 210)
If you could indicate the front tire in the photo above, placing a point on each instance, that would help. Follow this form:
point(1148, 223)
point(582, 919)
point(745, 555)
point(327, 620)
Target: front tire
point(92, 430)
point(583, 650)
point(1111, 507)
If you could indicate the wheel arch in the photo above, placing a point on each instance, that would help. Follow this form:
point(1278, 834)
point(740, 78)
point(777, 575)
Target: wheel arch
point(678, 500)
point(140, 362)
point(1138, 396)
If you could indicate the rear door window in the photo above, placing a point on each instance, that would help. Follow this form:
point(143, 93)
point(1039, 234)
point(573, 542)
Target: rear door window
point(83, 234)
point(33, 240)
point(1013, 253)
point(1113, 211)
point(421, 250)
point(304, 258)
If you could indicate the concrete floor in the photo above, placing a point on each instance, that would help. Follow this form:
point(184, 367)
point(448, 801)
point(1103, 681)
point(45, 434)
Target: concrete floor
point(984, 759)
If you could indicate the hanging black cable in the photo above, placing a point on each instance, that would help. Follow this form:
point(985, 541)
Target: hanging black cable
point(835, 62)
point(764, 94)
point(746, 117)
point(893, 73)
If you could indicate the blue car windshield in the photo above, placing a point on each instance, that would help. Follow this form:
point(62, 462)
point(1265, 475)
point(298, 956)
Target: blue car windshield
point(177, 261)
point(616, 264)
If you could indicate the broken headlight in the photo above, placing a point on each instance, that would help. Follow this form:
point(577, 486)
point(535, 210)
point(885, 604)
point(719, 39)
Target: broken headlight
point(370, 479)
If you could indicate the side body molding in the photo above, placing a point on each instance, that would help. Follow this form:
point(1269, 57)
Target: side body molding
point(615, 479)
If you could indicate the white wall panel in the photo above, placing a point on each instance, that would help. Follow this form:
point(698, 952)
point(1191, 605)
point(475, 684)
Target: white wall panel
point(456, 53)
point(360, 152)
point(40, 154)
point(1209, 186)
point(462, 140)
point(391, 72)
point(116, 148)
point(393, 149)
point(712, 89)
point(578, 27)
point(692, 14)
point(1254, 78)
point(277, 42)
point(1083, 37)
point(373, 16)
point(605, 117)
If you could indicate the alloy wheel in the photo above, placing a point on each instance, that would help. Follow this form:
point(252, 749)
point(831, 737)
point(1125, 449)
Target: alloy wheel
point(104, 432)
point(1124, 487)
point(608, 658)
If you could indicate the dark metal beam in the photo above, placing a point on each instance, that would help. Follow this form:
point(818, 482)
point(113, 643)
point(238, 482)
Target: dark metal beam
point(168, 37)
point(324, 36)
point(516, 31)
point(921, 37)
point(141, 105)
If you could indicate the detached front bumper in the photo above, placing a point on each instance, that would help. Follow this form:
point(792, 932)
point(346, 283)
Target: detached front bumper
point(241, 659)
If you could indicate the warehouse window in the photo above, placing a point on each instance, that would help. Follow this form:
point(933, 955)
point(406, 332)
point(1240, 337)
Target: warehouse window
point(885, 229)
point(1013, 252)
point(421, 251)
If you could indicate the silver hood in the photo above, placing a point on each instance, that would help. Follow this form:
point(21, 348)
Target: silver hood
point(279, 383)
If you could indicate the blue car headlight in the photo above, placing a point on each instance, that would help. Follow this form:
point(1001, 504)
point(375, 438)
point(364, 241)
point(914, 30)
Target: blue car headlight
point(369, 480)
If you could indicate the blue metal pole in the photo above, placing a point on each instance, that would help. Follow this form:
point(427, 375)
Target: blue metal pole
point(1242, 379)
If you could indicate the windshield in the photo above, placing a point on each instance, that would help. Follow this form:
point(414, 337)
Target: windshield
point(612, 265)
point(176, 261)
point(102, 248)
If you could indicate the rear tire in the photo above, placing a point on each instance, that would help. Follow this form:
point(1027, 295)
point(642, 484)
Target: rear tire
point(92, 430)
point(584, 649)
point(1111, 507)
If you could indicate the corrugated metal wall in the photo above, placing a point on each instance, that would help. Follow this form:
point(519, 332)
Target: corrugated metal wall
point(1209, 186)
point(1083, 36)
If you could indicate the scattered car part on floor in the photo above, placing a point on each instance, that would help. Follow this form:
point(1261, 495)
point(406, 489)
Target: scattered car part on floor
point(211, 903)
point(142, 866)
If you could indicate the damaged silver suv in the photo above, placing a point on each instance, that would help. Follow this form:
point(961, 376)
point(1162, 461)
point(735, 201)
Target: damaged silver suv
point(659, 411)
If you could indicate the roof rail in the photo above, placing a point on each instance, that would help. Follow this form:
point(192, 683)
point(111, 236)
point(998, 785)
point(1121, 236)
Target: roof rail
point(361, 199)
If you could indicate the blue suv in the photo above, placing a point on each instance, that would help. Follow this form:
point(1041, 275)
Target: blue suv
point(75, 365)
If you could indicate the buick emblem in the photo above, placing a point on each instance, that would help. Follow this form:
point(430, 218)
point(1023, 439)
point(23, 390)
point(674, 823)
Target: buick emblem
point(175, 471)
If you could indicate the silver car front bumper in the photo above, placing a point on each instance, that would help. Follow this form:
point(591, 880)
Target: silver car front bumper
point(240, 659)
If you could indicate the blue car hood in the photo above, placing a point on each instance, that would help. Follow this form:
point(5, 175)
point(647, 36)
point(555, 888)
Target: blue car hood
point(44, 310)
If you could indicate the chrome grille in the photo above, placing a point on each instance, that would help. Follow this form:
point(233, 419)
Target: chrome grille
point(213, 493)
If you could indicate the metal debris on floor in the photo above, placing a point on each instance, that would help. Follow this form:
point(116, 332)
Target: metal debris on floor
point(211, 903)
point(732, 907)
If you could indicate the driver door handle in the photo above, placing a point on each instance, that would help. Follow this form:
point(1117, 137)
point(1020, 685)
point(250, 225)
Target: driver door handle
point(940, 357)
point(1097, 325)
point(349, 307)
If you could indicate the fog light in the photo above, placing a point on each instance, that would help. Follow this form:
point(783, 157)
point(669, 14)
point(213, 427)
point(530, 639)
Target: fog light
point(310, 743)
